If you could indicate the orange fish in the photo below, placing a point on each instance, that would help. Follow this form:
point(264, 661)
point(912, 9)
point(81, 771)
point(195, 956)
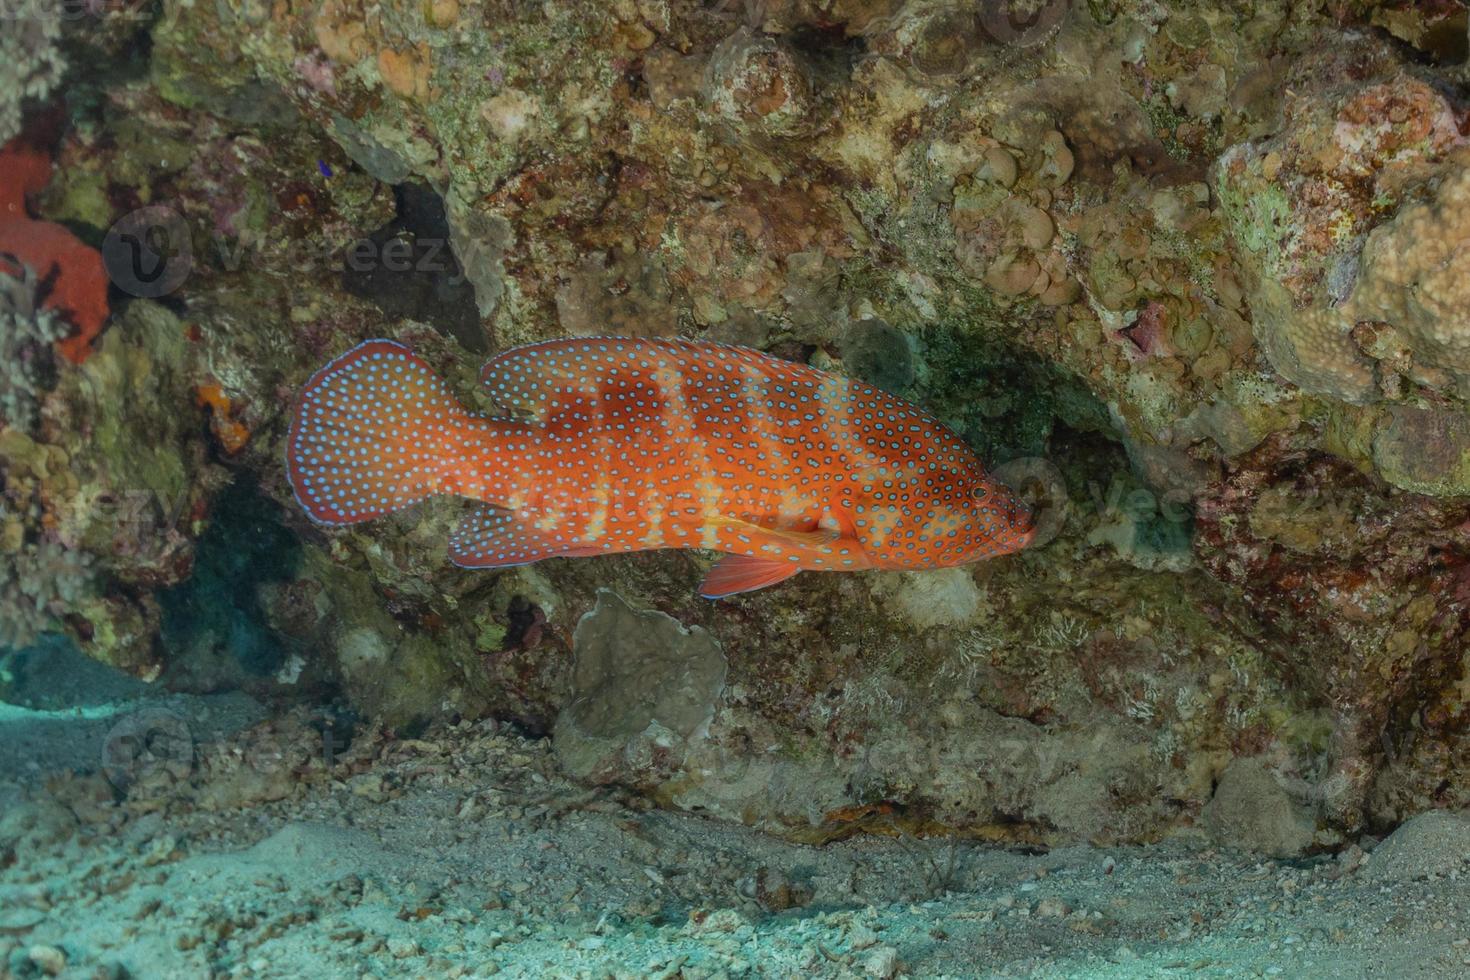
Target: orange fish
point(613, 444)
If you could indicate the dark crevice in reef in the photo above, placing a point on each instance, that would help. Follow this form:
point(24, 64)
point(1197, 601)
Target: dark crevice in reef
point(409, 270)
point(127, 56)
point(829, 52)
point(524, 629)
point(216, 623)
point(1012, 406)
point(1005, 403)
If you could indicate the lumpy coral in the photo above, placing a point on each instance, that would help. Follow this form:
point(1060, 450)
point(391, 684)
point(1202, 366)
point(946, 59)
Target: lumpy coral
point(1415, 279)
point(1353, 149)
point(44, 577)
point(41, 581)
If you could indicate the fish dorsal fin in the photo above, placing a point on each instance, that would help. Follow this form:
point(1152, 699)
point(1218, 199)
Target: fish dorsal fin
point(521, 379)
point(490, 537)
point(734, 574)
point(525, 379)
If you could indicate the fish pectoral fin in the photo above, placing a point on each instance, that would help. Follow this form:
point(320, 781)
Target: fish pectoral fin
point(734, 574)
point(492, 537)
point(789, 537)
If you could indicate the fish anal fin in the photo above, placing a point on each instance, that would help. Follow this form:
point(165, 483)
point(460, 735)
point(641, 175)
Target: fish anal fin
point(734, 574)
point(491, 537)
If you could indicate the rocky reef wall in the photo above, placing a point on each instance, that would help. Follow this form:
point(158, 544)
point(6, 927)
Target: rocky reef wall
point(1193, 275)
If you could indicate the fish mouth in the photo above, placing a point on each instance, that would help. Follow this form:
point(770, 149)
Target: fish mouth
point(1021, 523)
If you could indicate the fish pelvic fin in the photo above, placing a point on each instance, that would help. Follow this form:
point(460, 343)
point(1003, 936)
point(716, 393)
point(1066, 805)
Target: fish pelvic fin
point(784, 551)
point(376, 431)
point(734, 574)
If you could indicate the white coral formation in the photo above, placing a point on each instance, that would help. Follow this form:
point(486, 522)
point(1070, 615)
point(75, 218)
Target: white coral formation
point(39, 581)
point(30, 63)
point(1415, 277)
point(27, 357)
point(1313, 348)
point(1413, 281)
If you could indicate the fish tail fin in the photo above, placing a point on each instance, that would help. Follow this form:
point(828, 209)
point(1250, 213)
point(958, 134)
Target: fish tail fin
point(376, 431)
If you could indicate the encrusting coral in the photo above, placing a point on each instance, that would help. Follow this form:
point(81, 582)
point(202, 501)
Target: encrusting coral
point(40, 582)
point(1415, 282)
point(43, 578)
point(1362, 138)
point(40, 578)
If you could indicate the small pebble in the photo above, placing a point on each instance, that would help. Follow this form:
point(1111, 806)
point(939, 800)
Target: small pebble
point(14, 921)
point(1052, 908)
point(401, 948)
point(882, 963)
point(50, 960)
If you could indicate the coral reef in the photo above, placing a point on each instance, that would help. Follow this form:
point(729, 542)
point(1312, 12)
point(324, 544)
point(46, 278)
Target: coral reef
point(1302, 202)
point(1413, 283)
point(41, 578)
point(42, 581)
point(32, 61)
point(105, 496)
point(1194, 271)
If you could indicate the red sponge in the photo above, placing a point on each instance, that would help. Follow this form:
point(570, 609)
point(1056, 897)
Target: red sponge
point(72, 274)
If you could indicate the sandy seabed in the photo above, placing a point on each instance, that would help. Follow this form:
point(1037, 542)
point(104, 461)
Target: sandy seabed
point(203, 837)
